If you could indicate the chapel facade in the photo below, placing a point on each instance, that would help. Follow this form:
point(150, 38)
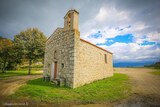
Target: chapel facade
point(73, 59)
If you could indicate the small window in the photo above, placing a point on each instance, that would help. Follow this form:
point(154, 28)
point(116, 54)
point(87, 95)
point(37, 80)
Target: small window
point(55, 54)
point(48, 67)
point(105, 57)
point(62, 65)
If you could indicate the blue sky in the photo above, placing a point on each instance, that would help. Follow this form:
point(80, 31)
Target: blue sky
point(147, 43)
point(130, 29)
point(128, 38)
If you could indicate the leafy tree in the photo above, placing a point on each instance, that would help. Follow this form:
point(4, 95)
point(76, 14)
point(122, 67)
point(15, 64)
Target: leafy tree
point(6, 52)
point(18, 54)
point(31, 43)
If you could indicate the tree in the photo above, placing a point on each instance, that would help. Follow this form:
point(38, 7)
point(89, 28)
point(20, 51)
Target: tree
point(18, 54)
point(6, 52)
point(32, 43)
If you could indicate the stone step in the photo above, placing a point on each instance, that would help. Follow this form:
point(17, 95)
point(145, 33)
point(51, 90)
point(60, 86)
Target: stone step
point(59, 82)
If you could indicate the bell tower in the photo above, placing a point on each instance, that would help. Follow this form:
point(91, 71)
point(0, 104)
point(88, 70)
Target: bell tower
point(71, 20)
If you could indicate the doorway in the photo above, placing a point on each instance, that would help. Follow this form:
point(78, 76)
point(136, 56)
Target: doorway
point(54, 70)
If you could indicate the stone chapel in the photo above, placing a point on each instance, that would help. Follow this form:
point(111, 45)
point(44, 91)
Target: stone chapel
point(73, 59)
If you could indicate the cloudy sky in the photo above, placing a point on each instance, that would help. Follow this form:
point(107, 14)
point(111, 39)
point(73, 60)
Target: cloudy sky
point(128, 28)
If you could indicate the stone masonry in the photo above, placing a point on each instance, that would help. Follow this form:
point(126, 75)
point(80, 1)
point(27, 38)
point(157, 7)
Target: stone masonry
point(77, 61)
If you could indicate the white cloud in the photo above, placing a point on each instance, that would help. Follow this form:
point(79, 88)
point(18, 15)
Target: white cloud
point(151, 37)
point(96, 40)
point(106, 20)
point(139, 26)
point(111, 14)
point(112, 22)
point(133, 52)
point(102, 15)
point(154, 37)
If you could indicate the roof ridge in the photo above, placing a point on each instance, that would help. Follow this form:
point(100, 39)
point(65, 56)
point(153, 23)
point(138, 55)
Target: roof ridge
point(95, 46)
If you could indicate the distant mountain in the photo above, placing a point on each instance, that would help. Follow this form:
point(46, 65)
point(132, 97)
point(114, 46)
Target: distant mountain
point(155, 65)
point(131, 64)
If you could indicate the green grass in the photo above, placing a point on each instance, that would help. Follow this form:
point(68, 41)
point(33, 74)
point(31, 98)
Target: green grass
point(18, 73)
point(109, 89)
point(157, 72)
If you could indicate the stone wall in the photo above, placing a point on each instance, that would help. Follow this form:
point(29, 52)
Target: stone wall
point(90, 64)
point(61, 41)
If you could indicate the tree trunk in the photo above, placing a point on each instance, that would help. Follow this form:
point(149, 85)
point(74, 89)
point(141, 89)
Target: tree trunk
point(3, 68)
point(30, 66)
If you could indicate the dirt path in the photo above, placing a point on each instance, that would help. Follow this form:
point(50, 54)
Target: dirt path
point(10, 84)
point(145, 86)
point(142, 81)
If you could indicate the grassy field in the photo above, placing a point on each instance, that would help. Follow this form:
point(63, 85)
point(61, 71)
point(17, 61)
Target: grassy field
point(23, 70)
point(156, 72)
point(109, 89)
point(18, 73)
point(34, 66)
